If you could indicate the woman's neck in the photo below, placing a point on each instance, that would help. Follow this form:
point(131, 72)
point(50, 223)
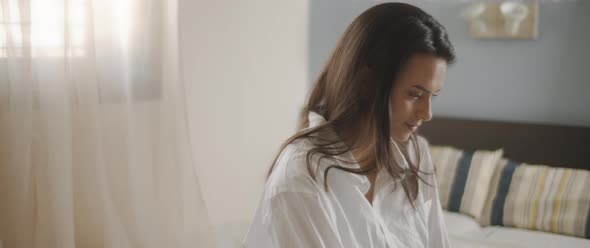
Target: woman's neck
point(360, 142)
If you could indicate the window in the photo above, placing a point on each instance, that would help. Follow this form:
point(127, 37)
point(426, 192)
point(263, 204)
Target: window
point(41, 29)
point(123, 49)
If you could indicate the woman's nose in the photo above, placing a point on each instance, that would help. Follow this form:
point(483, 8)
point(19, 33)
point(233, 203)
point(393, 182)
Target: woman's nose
point(425, 110)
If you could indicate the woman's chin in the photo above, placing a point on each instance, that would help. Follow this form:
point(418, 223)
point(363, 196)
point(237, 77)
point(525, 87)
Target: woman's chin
point(401, 138)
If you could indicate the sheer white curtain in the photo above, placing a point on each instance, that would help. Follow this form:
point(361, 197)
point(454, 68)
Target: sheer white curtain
point(94, 140)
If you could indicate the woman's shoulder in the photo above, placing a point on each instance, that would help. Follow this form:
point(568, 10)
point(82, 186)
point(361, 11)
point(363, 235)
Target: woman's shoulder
point(290, 172)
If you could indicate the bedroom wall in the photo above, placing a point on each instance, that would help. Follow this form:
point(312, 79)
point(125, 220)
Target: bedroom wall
point(244, 63)
point(539, 81)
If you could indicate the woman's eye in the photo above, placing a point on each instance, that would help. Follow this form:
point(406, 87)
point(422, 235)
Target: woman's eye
point(415, 95)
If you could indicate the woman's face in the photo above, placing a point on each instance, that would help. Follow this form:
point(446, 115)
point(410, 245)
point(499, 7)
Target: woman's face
point(418, 82)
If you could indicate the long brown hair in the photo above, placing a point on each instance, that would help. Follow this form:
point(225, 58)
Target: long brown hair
point(353, 90)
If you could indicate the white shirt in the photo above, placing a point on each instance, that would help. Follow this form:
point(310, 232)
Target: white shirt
point(296, 211)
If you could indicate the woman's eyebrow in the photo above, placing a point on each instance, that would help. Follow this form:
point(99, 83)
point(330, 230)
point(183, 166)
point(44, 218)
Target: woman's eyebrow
point(425, 90)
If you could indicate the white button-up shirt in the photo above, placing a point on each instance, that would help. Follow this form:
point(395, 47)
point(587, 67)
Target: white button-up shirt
point(296, 211)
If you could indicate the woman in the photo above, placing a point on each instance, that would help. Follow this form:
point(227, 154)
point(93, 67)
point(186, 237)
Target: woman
point(357, 174)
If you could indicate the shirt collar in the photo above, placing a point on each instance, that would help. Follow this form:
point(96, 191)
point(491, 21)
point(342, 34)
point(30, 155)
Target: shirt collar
point(316, 120)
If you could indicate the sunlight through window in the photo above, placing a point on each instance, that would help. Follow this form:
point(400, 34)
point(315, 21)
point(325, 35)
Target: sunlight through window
point(47, 29)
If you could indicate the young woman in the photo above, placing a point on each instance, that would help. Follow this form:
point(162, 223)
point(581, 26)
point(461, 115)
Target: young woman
point(357, 174)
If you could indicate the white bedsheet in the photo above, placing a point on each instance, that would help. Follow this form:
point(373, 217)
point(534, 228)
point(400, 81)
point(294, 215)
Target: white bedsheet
point(465, 232)
point(459, 224)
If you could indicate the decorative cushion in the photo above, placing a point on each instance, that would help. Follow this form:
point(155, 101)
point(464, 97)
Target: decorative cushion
point(539, 197)
point(464, 178)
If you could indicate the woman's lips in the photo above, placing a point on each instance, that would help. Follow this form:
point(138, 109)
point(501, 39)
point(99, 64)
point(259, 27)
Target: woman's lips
point(411, 127)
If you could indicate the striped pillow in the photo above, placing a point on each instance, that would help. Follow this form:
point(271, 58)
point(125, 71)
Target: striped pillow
point(464, 178)
point(540, 198)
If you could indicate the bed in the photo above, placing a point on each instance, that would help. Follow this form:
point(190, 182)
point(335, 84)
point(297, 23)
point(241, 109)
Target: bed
point(559, 146)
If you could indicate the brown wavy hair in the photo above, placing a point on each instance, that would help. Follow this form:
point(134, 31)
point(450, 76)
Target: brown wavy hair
point(353, 90)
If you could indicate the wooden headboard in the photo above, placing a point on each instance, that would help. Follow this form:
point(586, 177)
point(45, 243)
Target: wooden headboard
point(557, 146)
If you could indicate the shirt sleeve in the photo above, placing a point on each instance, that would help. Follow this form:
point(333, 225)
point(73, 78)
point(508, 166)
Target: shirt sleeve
point(301, 219)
